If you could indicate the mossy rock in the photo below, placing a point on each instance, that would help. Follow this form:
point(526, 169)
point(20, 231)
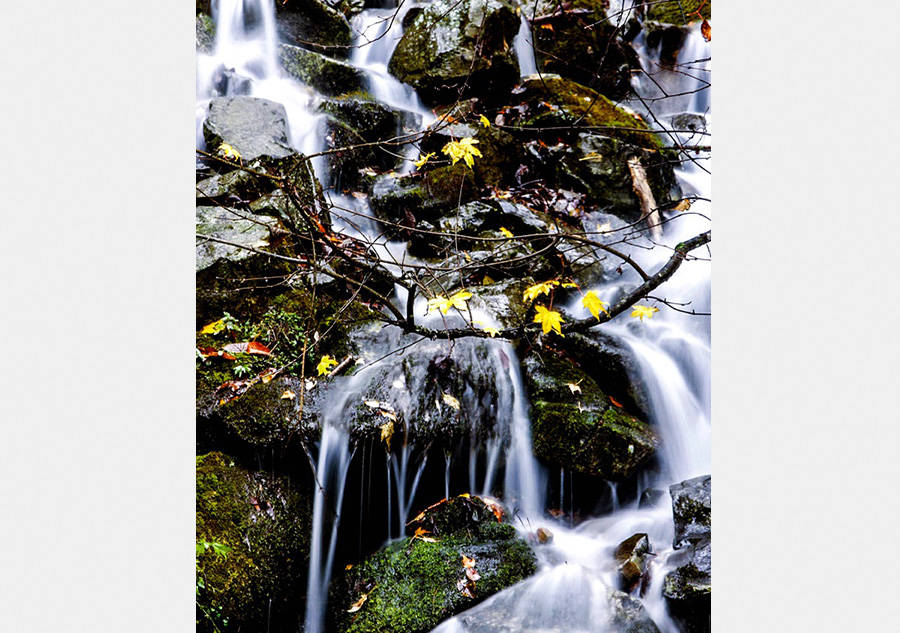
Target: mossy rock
point(582, 429)
point(265, 524)
point(585, 47)
point(206, 33)
point(414, 584)
point(233, 226)
point(233, 187)
point(678, 11)
point(452, 50)
point(327, 76)
point(314, 25)
point(565, 106)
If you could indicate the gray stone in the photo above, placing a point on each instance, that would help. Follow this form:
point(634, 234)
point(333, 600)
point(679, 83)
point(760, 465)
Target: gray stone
point(254, 127)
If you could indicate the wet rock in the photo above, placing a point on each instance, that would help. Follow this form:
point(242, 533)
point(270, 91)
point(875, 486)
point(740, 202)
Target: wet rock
point(413, 584)
point(629, 615)
point(691, 507)
point(611, 364)
point(327, 76)
point(358, 120)
point(677, 11)
point(581, 429)
point(414, 199)
point(254, 127)
point(652, 498)
point(206, 32)
point(456, 49)
point(582, 45)
point(688, 589)
point(261, 527)
point(633, 556)
point(314, 25)
point(238, 187)
point(232, 226)
point(666, 38)
point(228, 83)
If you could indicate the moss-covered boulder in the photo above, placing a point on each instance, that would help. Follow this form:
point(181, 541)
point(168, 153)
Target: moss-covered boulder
point(560, 106)
point(581, 428)
point(688, 589)
point(327, 76)
point(462, 554)
point(455, 49)
point(678, 11)
point(586, 47)
point(238, 187)
point(253, 547)
point(252, 126)
point(315, 25)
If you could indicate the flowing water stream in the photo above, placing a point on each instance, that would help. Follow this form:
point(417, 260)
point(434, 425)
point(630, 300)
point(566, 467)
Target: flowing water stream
point(671, 351)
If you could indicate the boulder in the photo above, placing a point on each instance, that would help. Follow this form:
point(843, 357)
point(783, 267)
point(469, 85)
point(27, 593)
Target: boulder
point(460, 552)
point(314, 25)
point(632, 555)
point(581, 429)
point(688, 589)
point(584, 46)
point(677, 11)
point(327, 76)
point(252, 547)
point(254, 127)
point(454, 49)
point(355, 120)
point(233, 226)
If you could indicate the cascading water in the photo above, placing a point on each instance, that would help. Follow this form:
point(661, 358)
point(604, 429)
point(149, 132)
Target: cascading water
point(571, 590)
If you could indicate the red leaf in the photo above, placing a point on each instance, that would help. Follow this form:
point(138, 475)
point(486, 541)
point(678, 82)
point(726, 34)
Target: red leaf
point(615, 402)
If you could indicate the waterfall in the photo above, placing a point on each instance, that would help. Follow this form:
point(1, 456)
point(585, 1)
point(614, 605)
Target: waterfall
point(672, 352)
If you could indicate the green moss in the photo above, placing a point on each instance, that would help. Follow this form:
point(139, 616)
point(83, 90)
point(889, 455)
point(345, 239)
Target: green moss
point(557, 102)
point(679, 11)
point(412, 585)
point(328, 76)
point(265, 525)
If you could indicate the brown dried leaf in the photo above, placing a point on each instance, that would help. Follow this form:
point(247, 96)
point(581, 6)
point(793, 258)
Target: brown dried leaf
point(706, 31)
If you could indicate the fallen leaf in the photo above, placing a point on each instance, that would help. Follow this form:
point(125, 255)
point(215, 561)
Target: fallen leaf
point(207, 352)
point(268, 375)
point(640, 312)
point(249, 347)
point(495, 507)
point(484, 120)
point(450, 401)
point(324, 364)
point(506, 232)
point(549, 320)
point(387, 431)
point(420, 534)
point(424, 159)
point(472, 575)
point(573, 387)
point(375, 404)
point(683, 205)
point(593, 303)
point(467, 562)
point(356, 606)
point(466, 587)
point(615, 402)
point(227, 151)
point(214, 328)
point(706, 31)
point(288, 395)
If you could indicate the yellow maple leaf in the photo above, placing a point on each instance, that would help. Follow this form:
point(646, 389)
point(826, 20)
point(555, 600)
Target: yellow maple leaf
point(325, 364)
point(506, 232)
point(484, 120)
point(422, 160)
point(227, 151)
point(214, 328)
point(593, 303)
point(463, 149)
point(457, 301)
point(533, 292)
point(643, 311)
point(549, 320)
